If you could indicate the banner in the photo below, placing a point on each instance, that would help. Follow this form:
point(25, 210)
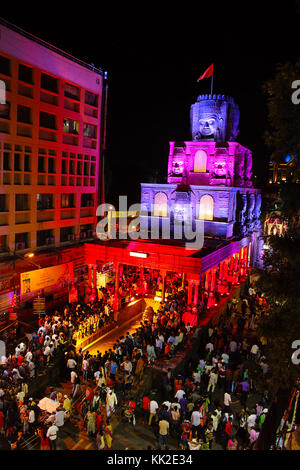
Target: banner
point(101, 280)
point(73, 295)
point(33, 281)
point(39, 306)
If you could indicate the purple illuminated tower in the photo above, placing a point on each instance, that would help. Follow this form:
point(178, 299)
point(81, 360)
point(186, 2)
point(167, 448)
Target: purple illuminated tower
point(211, 174)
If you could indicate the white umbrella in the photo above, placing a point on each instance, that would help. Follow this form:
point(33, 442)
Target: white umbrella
point(48, 405)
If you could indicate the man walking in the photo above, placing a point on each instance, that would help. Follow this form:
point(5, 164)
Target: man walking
point(163, 426)
point(52, 436)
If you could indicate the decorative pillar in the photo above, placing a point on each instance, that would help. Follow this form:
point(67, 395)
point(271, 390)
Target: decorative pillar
point(90, 275)
point(163, 290)
point(116, 304)
point(196, 292)
point(190, 291)
point(94, 276)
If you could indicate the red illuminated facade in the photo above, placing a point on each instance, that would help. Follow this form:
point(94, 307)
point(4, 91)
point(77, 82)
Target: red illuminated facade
point(52, 140)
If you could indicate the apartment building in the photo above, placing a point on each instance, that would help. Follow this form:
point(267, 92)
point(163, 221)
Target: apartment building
point(52, 111)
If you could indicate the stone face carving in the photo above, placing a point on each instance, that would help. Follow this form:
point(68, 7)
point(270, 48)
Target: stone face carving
point(248, 169)
point(257, 210)
point(241, 211)
point(250, 212)
point(215, 118)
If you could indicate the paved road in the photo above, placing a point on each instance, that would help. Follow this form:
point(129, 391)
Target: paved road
point(107, 341)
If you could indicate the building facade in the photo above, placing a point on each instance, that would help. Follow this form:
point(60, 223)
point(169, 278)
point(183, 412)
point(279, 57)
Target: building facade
point(52, 141)
point(209, 178)
point(49, 144)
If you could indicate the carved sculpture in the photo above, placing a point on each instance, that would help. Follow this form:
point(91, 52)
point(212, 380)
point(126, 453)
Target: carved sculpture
point(215, 118)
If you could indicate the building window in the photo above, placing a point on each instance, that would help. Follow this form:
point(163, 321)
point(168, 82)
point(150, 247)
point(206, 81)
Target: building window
point(22, 202)
point(5, 110)
point(90, 98)
point(86, 171)
point(44, 201)
point(64, 166)
point(24, 114)
point(67, 234)
point(160, 205)
point(47, 120)
point(67, 200)
point(25, 74)
point(200, 161)
point(4, 65)
point(51, 165)
point(3, 242)
point(72, 91)
point(21, 241)
point(41, 164)
point(70, 126)
point(49, 83)
point(27, 162)
point(87, 200)
point(6, 161)
point(206, 211)
point(89, 131)
point(17, 162)
point(44, 237)
point(3, 203)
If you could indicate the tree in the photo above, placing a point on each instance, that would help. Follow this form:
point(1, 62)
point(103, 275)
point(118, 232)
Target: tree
point(282, 137)
point(280, 282)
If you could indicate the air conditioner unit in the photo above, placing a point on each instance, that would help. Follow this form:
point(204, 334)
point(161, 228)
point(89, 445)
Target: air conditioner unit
point(20, 246)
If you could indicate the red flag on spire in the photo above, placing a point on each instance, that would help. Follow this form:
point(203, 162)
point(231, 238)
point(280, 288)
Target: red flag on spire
point(208, 72)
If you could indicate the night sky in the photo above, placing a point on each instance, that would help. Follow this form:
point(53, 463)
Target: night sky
point(153, 58)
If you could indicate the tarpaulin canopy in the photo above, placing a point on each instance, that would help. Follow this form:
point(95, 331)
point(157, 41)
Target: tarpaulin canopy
point(47, 404)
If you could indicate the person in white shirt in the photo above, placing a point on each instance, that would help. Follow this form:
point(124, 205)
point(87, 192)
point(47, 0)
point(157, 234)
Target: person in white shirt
point(213, 379)
point(227, 401)
point(85, 368)
point(225, 358)
point(60, 417)
point(127, 366)
point(31, 419)
point(233, 346)
point(153, 407)
point(197, 377)
point(196, 418)
point(179, 394)
point(31, 367)
point(254, 352)
point(71, 364)
point(28, 356)
point(111, 401)
point(251, 421)
point(52, 436)
point(167, 404)
point(73, 376)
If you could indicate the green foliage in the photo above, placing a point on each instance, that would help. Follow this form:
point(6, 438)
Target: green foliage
point(283, 115)
point(280, 281)
point(290, 202)
point(280, 328)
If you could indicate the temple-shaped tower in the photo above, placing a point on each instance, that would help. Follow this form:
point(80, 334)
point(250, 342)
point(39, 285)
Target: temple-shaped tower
point(210, 176)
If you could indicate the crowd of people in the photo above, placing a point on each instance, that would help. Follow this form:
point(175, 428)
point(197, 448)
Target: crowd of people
point(21, 364)
point(206, 406)
point(110, 377)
